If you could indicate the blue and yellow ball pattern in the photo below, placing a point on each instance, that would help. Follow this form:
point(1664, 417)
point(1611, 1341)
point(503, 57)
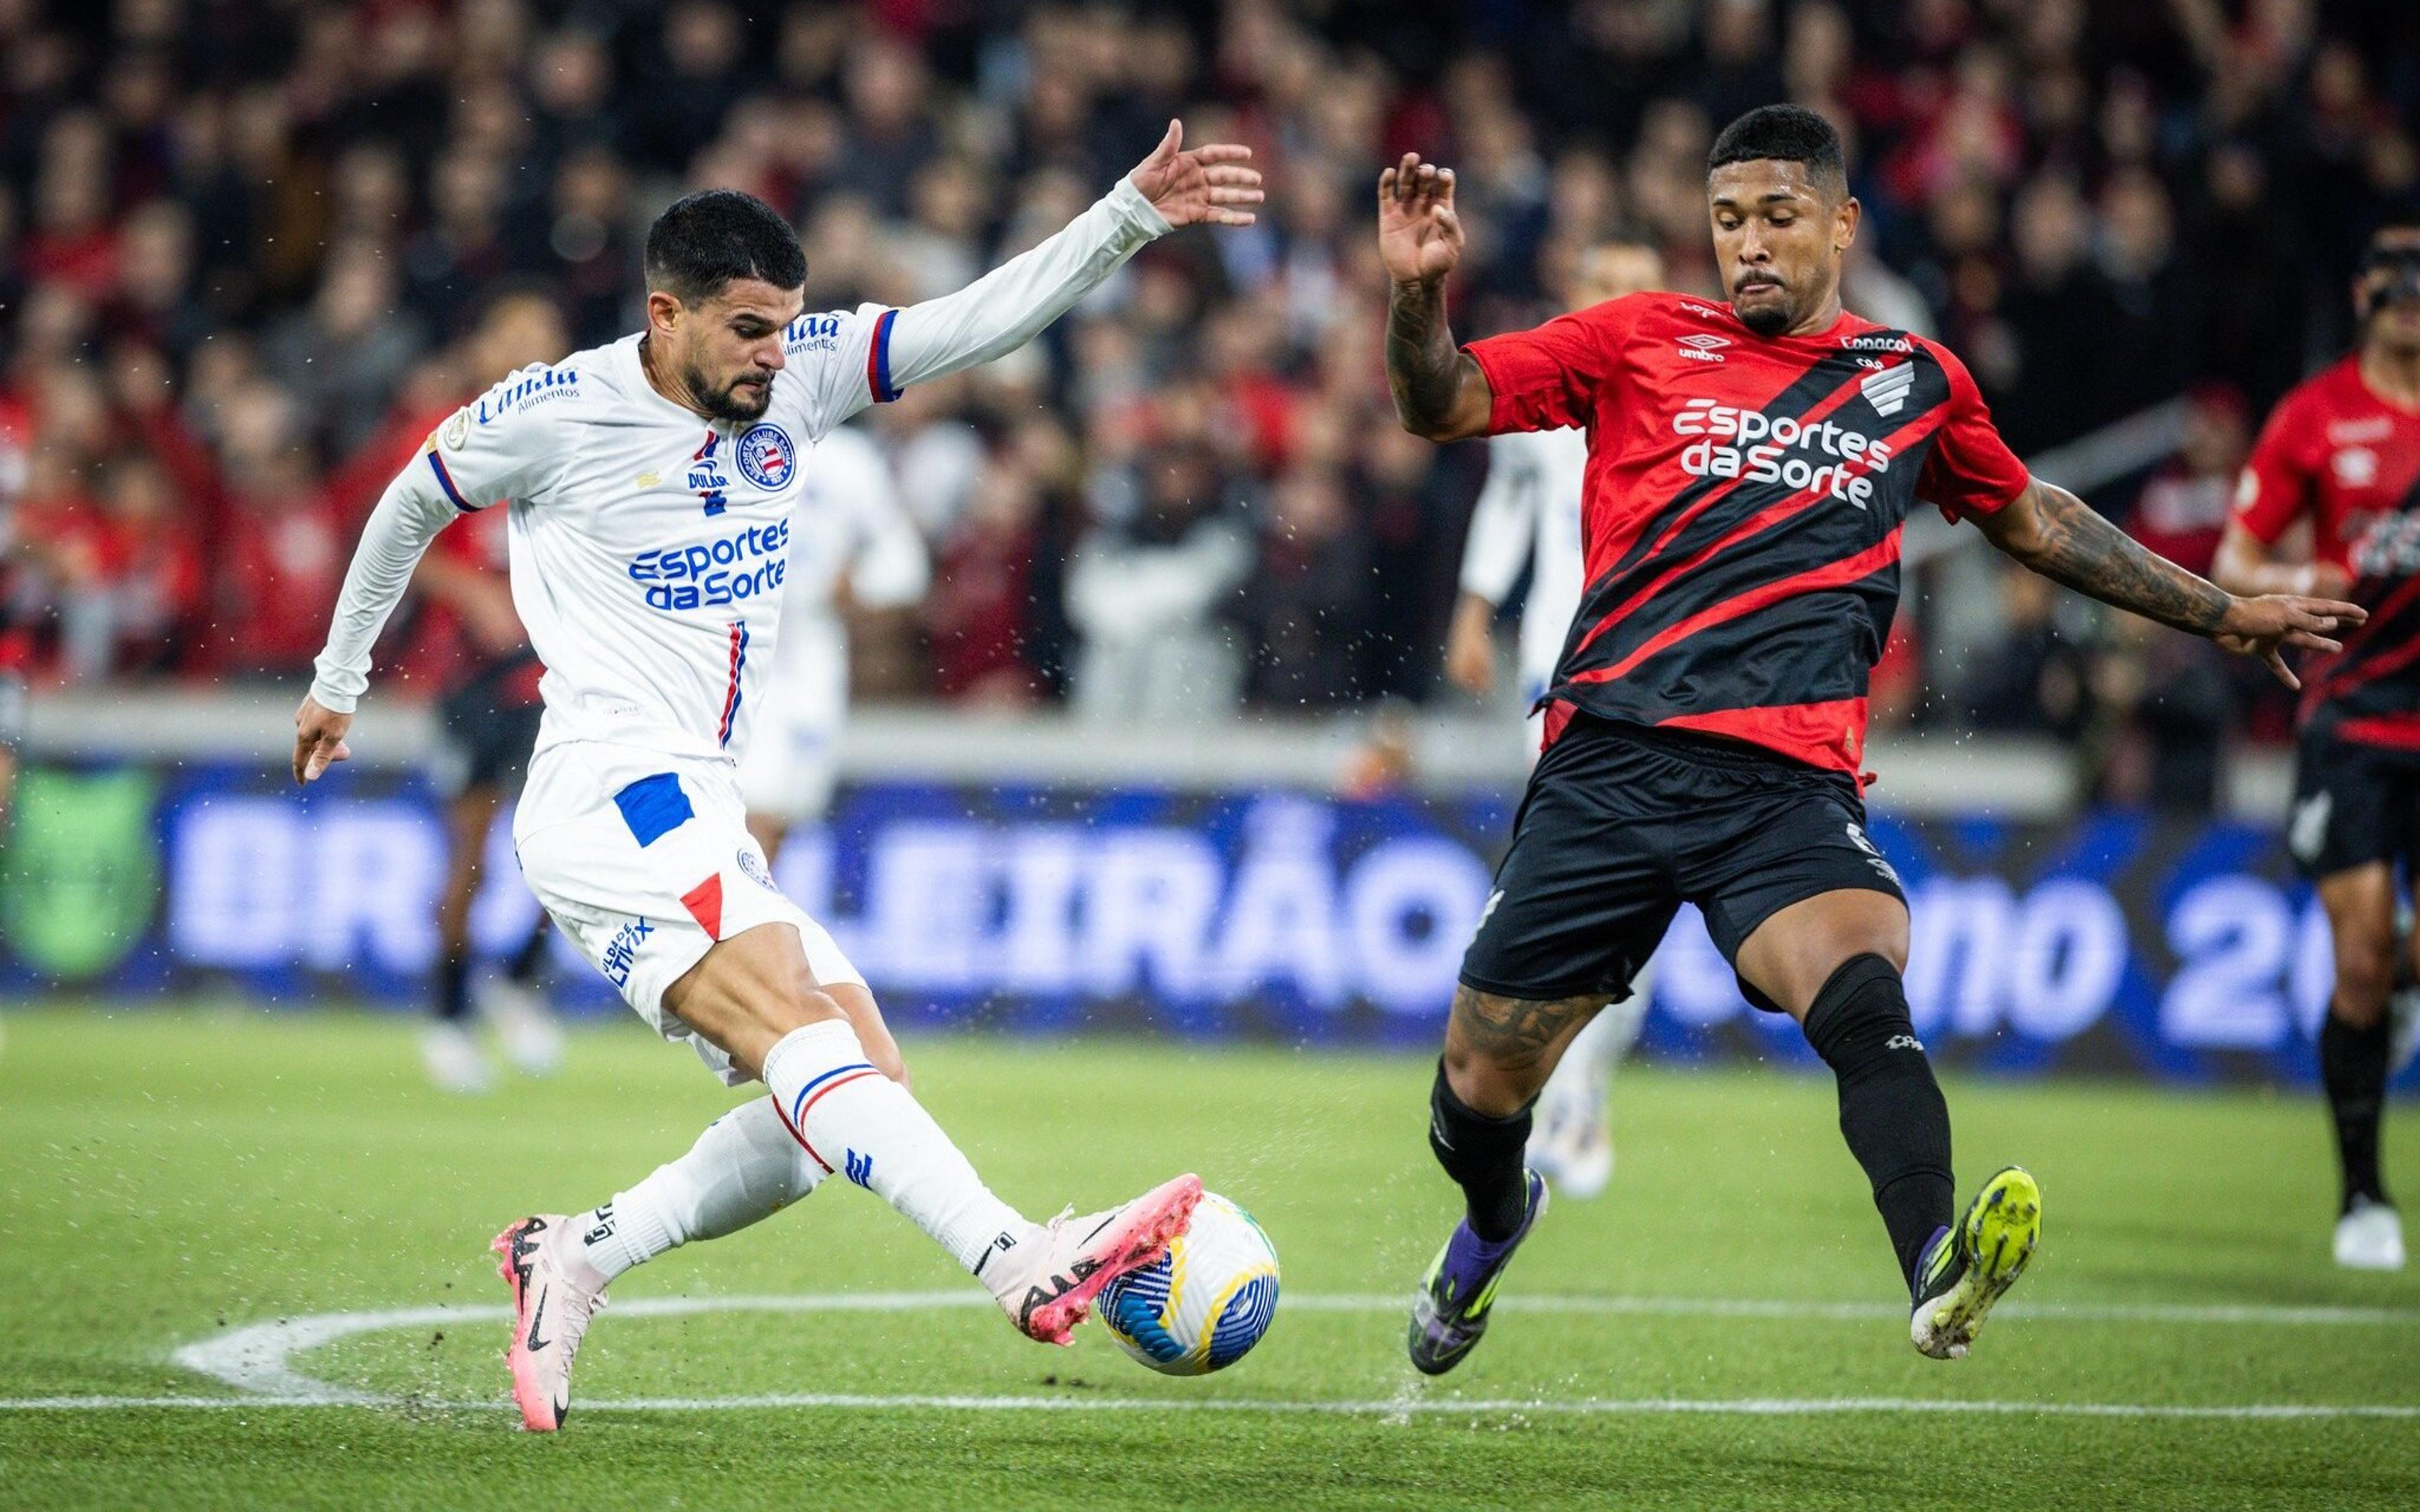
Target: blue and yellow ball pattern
point(1202, 1305)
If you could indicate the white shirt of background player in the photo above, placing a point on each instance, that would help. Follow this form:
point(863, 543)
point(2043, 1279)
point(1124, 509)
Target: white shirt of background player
point(849, 526)
point(1529, 514)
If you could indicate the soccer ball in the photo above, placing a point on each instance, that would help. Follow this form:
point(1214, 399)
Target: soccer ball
point(1199, 1306)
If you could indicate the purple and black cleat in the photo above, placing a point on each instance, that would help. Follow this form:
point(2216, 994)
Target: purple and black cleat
point(1450, 1311)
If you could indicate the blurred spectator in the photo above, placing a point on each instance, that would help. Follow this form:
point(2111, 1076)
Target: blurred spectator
point(340, 357)
point(1147, 595)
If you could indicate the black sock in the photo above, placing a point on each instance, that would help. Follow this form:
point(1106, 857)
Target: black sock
point(1891, 1110)
point(453, 986)
point(2352, 1064)
point(1483, 1156)
point(523, 968)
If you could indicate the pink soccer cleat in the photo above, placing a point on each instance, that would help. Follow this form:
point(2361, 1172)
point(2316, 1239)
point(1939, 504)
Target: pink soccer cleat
point(555, 1292)
point(1047, 1281)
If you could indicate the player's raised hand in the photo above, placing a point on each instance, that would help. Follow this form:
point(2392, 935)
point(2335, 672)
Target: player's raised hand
point(1420, 236)
point(318, 740)
point(1210, 185)
point(2266, 626)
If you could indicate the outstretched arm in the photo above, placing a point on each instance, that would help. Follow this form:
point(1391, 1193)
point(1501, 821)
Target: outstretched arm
point(2060, 536)
point(1439, 391)
point(407, 519)
point(1012, 304)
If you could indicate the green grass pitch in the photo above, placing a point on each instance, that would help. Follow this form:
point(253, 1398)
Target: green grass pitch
point(174, 1177)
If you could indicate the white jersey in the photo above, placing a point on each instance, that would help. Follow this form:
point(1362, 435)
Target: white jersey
point(651, 548)
point(1530, 508)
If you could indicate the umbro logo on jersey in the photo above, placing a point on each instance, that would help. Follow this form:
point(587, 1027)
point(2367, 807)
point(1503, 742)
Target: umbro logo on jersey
point(1700, 348)
point(1887, 390)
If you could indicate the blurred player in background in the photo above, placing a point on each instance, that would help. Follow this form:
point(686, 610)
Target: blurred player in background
point(2342, 452)
point(1750, 467)
point(651, 497)
point(852, 549)
point(487, 711)
point(1528, 514)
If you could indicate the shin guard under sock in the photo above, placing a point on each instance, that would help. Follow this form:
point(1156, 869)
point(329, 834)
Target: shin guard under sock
point(1891, 1109)
point(2352, 1066)
point(1484, 1156)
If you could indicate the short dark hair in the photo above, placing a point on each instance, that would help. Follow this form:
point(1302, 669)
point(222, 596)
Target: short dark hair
point(704, 240)
point(1784, 133)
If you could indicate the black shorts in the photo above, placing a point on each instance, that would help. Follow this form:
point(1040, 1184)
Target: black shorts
point(1621, 824)
point(484, 739)
point(2353, 805)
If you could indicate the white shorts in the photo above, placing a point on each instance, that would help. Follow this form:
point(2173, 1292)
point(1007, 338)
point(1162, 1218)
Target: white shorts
point(645, 861)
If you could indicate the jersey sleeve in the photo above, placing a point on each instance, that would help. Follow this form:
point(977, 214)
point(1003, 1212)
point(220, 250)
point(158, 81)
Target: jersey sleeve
point(495, 448)
point(837, 362)
point(1548, 377)
point(1970, 469)
point(871, 356)
point(1503, 522)
point(500, 446)
point(2275, 488)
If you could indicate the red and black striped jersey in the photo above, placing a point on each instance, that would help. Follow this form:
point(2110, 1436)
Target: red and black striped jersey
point(1742, 506)
point(2339, 455)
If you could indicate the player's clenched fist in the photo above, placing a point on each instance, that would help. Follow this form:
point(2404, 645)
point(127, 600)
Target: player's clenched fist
point(318, 740)
point(1420, 236)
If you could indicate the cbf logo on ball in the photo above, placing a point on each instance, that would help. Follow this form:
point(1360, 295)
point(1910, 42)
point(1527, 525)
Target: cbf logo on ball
point(766, 457)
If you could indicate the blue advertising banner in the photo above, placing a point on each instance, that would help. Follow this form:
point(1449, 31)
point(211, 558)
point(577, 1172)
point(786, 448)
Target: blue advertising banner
point(2109, 942)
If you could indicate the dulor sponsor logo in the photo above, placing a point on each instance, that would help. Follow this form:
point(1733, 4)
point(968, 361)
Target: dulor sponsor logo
point(1750, 444)
point(746, 564)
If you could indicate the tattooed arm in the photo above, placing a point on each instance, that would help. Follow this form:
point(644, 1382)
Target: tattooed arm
point(1439, 391)
point(2060, 536)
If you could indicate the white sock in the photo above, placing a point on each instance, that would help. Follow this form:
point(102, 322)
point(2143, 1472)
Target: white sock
point(856, 1120)
point(745, 1167)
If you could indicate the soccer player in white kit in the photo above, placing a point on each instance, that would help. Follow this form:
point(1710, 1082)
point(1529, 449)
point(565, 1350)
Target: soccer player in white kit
point(849, 535)
point(1529, 513)
point(650, 485)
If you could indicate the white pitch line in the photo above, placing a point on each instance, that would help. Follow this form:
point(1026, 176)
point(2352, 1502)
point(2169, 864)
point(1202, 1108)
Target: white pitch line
point(1434, 1407)
point(256, 1359)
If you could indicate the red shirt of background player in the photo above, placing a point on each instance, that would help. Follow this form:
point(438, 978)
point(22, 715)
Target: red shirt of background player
point(2339, 455)
point(1741, 508)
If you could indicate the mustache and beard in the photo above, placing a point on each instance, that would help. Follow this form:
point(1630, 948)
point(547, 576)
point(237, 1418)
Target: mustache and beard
point(743, 398)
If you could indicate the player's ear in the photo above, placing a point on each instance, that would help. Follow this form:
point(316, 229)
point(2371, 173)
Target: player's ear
point(1844, 222)
point(664, 310)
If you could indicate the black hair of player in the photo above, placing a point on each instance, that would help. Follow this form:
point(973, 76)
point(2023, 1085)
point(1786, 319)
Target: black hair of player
point(704, 240)
point(1785, 133)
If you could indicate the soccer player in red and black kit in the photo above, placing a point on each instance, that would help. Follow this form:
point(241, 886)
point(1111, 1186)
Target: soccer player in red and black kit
point(1749, 465)
point(2343, 453)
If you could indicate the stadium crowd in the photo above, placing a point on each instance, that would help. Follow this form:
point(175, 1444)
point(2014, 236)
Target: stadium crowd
point(247, 250)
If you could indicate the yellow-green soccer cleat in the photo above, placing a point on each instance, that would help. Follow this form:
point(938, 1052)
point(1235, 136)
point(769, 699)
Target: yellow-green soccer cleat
point(1964, 1270)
